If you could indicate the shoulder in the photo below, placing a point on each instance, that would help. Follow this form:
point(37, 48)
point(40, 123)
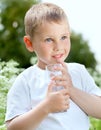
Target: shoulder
point(75, 67)
point(23, 78)
point(20, 85)
point(29, 72)
point(78, 70)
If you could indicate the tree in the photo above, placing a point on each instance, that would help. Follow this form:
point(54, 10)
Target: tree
point(12, 30)
point(80, 52)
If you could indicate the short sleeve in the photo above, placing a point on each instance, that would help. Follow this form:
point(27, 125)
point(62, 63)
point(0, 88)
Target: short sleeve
point(88, 82)
point(18, 98)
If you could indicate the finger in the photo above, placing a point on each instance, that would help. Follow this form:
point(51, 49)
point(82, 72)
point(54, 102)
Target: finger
point(63, 83)
point(66, 106)
point(64, 65)
point(66, 98)
point(58, 67)
point(50, 86)
point(64, 92)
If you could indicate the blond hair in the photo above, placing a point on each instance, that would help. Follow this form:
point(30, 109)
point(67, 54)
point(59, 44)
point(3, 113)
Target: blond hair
point(41, 13)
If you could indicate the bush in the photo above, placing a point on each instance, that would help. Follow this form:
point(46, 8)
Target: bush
point(96, 75)
point(95, 124)
point(8, 72)
point(2, 127)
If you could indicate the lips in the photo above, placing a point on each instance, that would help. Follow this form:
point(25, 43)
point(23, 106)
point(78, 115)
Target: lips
point(57, 56)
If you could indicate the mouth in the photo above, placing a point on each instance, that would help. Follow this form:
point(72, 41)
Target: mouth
point(57, 56)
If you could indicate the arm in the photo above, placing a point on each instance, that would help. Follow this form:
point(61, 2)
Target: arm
point(29, 120)
point(90, 104)
point(54, 102)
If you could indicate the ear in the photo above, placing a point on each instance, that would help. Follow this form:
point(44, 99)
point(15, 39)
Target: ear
point(28, 43)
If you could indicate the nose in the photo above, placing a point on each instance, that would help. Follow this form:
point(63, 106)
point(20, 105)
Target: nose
point(57, 46)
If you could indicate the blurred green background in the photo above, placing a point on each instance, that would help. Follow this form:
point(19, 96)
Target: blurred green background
point(14, 56)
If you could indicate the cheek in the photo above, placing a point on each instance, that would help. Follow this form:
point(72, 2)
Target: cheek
point(67, 45)
point(44, 50)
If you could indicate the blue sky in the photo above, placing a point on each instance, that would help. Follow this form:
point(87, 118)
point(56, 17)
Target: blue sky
point(85, 18)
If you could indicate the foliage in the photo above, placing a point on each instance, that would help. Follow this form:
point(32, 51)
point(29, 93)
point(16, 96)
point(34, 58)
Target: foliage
point(8, 72)
point(80, 51)
point(3, 127)
point(12, 30)
point(96, 75)
point(95, 124)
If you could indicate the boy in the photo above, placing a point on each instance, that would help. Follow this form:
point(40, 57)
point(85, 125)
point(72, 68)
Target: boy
point(32, 104)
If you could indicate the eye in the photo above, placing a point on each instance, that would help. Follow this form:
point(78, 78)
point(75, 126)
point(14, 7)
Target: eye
point(48, 40)
point(64, 37)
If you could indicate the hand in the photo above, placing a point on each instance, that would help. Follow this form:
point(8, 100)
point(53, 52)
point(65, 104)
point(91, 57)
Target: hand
point(64, 79)
point(57, 101)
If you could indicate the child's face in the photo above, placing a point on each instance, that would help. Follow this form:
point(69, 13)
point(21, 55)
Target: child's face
point(51, 43)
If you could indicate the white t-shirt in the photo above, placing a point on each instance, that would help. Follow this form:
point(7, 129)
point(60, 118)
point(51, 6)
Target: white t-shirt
point(30, 88)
